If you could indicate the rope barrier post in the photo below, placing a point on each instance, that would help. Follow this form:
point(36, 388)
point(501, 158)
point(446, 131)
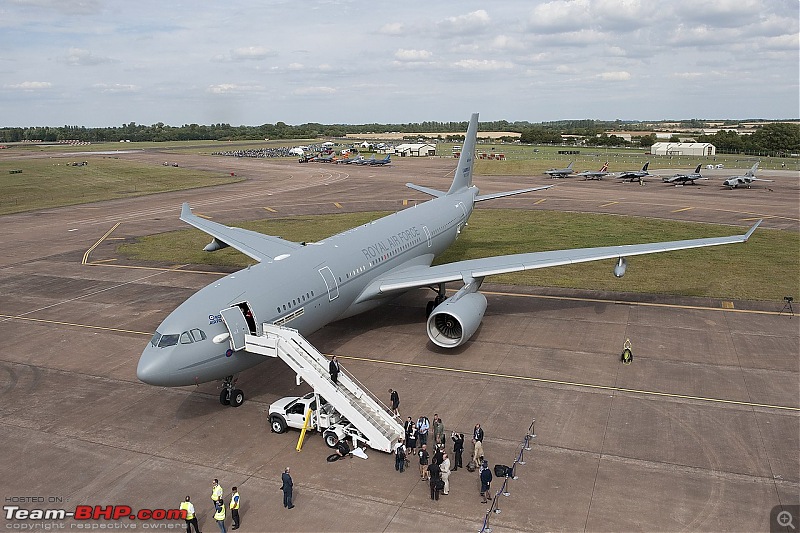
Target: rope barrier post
point(485, 527)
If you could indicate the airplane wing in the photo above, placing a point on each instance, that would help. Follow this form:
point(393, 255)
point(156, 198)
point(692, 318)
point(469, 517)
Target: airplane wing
point(422, 276)
point(251, 243)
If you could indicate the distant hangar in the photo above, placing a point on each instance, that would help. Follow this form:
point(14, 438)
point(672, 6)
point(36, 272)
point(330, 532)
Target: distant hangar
point(696, 149)
point(415, 150)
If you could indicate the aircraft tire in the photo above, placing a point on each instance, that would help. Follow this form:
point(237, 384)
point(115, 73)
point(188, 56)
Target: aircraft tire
point(332, 458)
point(236, 397)
point(277, 424)
point(331, 439)
point(225, 397)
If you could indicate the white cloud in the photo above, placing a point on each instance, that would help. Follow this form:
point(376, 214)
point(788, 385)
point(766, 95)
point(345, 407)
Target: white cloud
point(247, 53)
point(483, 64)
point(412, 55)
point(295, 66)
point(314, 91)
point(84, 58)
point(471, 23)
point(116, 88)
point(30, 85)
point(614, 76)
point(393, 28)
point(229, 88)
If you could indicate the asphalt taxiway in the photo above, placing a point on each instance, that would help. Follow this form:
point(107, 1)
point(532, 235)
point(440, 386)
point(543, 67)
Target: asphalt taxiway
point(700, 432)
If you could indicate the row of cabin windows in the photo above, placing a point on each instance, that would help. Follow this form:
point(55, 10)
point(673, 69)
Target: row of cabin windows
point(296, 301)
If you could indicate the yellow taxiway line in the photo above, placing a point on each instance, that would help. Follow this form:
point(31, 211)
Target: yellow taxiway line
point(572, 383)
point(100, 240)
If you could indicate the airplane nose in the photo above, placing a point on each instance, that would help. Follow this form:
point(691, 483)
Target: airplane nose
point(151, 368)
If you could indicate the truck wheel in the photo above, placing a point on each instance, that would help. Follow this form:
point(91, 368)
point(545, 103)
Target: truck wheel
point(331, 439)
point(277, 423)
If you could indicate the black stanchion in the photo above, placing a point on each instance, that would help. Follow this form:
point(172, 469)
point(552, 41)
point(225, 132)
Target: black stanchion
point(510, 474)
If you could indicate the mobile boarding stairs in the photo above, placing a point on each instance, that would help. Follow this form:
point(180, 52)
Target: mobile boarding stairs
point(378, 428)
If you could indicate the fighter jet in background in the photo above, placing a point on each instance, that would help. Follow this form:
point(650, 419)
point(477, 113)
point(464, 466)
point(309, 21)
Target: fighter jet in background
point(595, 174)
point(560, 172)
point(749, 177)
point(683, 179)
point(634, 175)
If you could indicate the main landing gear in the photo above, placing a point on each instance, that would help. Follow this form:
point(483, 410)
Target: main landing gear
point(230, 395)
point(440, 297)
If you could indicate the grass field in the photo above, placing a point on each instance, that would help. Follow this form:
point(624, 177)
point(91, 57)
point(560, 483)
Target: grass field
point(765, 268)
point(46, 182)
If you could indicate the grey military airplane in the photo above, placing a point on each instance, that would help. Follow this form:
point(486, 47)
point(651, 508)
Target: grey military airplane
point(683, 179)
point(634, 175)
point(306, 286)
point(748, 178)
point(560, 172)
point(594, 174)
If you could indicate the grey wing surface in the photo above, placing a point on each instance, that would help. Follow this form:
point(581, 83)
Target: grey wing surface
point(251, 243)
point(421, 276)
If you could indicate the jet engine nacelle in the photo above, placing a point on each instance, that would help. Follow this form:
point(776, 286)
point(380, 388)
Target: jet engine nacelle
point(455, 320)
point(620, 267)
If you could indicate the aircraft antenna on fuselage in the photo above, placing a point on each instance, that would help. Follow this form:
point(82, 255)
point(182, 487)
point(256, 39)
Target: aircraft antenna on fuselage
point(463, 177)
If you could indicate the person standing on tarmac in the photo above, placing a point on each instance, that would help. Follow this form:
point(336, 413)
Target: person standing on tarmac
point(191, 519)
point(235, 500)
point(216, 493)
point(423, 462)
point(219, 516)
point(287, 489)
point(458, 449)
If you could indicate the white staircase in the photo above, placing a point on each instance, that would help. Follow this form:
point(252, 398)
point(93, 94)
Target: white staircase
point(380, 429)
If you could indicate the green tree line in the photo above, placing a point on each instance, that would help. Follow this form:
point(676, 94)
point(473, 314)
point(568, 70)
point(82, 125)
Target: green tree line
point(771, 139)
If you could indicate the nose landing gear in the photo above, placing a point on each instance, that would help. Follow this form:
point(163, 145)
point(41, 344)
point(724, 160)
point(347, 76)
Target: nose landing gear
point(230, 395)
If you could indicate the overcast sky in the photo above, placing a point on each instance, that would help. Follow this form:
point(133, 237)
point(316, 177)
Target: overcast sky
point(106, 63)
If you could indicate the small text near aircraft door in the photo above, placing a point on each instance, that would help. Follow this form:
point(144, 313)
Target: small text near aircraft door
point(237, 326)
point(330, 282)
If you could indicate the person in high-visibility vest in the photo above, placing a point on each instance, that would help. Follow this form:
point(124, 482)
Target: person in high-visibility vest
point(216, 493)
point(235, 508)
point(219, 516)
point(191, 519)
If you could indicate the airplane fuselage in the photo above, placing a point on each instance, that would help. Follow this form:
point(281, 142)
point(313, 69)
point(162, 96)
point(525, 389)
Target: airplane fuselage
point(305, 290)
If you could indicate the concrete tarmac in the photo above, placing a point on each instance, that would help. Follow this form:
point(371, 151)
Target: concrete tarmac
point(701, 432)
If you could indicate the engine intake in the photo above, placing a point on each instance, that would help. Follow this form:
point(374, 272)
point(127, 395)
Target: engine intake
point(455, 320)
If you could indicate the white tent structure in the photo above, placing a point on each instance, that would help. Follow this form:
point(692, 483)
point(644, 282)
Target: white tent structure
point(694, 149)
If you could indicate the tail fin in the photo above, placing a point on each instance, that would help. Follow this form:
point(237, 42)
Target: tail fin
point(752, 171)
point(463, 177)
point(569, 167)
point(697, 170)
point(604, 167)
point(645, 166)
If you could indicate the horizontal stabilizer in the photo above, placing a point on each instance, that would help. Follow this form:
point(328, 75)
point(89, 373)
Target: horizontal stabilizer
point(492, 196)
point(426, 190)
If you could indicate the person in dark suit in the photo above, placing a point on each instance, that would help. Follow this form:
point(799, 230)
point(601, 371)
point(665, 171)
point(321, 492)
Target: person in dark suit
point(333, 368)
point(458, 450)
point(287, 489)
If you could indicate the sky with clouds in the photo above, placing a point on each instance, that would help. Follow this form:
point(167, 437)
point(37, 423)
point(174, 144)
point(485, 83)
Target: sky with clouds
point(107, 62)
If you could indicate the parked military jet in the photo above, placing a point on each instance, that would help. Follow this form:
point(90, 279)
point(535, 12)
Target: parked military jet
point(749, 177)
point(634, 175)
point(380, 162)
point(307, 286)
point(595, 174)
point(683, 179)
point(560, 172)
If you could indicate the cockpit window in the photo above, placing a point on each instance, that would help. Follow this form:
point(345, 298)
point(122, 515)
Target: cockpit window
point(198, 335)
point(168, 340)
point(155, 339)
point(186, 338)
